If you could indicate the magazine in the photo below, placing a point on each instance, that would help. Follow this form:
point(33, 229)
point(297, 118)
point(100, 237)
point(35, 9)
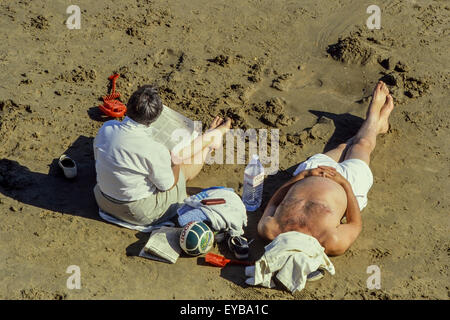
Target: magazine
point(174, 130)
point(163, 245)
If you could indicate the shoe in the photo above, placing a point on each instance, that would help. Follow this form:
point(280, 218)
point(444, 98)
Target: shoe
point(315, 275)
point(68, 166)
point(219, 236)
point(239, 246)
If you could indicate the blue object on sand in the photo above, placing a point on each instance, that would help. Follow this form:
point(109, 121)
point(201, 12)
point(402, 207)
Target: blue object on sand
point(189, 215)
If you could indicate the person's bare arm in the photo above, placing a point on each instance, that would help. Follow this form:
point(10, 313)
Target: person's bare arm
point(176, 174)
point(340, 239)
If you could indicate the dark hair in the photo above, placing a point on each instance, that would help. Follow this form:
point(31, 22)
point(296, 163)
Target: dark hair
point(144, 105)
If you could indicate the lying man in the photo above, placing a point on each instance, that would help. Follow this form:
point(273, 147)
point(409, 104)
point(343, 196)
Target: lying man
point(324, 190)
point(137, 181)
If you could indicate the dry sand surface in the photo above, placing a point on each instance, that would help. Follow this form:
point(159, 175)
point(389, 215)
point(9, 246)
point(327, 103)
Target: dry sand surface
point(306, 68)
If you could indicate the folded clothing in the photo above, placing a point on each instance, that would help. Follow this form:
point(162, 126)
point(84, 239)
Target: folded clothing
point(230, 216)
point(290, 257)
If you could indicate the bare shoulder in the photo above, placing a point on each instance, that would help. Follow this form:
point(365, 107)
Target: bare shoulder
point(268, 228)
point(337, 240)
point(330, 241)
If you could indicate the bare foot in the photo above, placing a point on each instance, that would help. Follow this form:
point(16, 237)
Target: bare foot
point(218, 128)
point(378, 99)
point(225, 126)
point(215, 123)
point(384, 114)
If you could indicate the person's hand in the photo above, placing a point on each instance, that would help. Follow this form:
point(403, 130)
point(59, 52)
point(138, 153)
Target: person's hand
point(321, 171)
point(331, 173)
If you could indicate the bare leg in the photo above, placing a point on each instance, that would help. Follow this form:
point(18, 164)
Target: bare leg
point(212, 138)
point(192, 169)
point(338, 153)
point(376, 123)
point(194, 151)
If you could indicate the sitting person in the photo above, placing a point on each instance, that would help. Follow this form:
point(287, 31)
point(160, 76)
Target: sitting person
point(137, 181)
point(328, 186)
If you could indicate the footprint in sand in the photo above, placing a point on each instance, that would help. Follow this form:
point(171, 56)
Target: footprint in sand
point(296, 80)
point(306, 79)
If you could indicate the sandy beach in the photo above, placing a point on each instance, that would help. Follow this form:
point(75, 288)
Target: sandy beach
point(305, 68)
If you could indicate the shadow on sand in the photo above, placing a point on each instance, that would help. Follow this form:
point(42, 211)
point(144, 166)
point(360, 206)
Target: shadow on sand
point(346, 126)
point(53, 191)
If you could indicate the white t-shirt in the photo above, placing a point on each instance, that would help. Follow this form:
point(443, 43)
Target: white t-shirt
point(130, 164)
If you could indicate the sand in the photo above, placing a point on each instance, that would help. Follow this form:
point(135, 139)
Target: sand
point(306, 69)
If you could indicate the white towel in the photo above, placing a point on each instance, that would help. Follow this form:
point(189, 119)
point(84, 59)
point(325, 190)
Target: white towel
point(291, 256)
point(127, 225)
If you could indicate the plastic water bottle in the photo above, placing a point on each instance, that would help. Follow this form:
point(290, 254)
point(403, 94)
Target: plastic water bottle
point(253, 184)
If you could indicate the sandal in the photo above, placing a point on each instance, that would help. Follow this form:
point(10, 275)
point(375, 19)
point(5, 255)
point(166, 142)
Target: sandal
point(315, 275)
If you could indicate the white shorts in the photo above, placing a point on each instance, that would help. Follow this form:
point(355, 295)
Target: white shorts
point(356, 171)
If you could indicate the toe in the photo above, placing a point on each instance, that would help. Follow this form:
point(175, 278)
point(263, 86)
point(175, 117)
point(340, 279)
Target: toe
point(214, 123)
point(379, 86)
point(385, 88)
point(390, 101)
point(228, 123)
point(387, 108)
